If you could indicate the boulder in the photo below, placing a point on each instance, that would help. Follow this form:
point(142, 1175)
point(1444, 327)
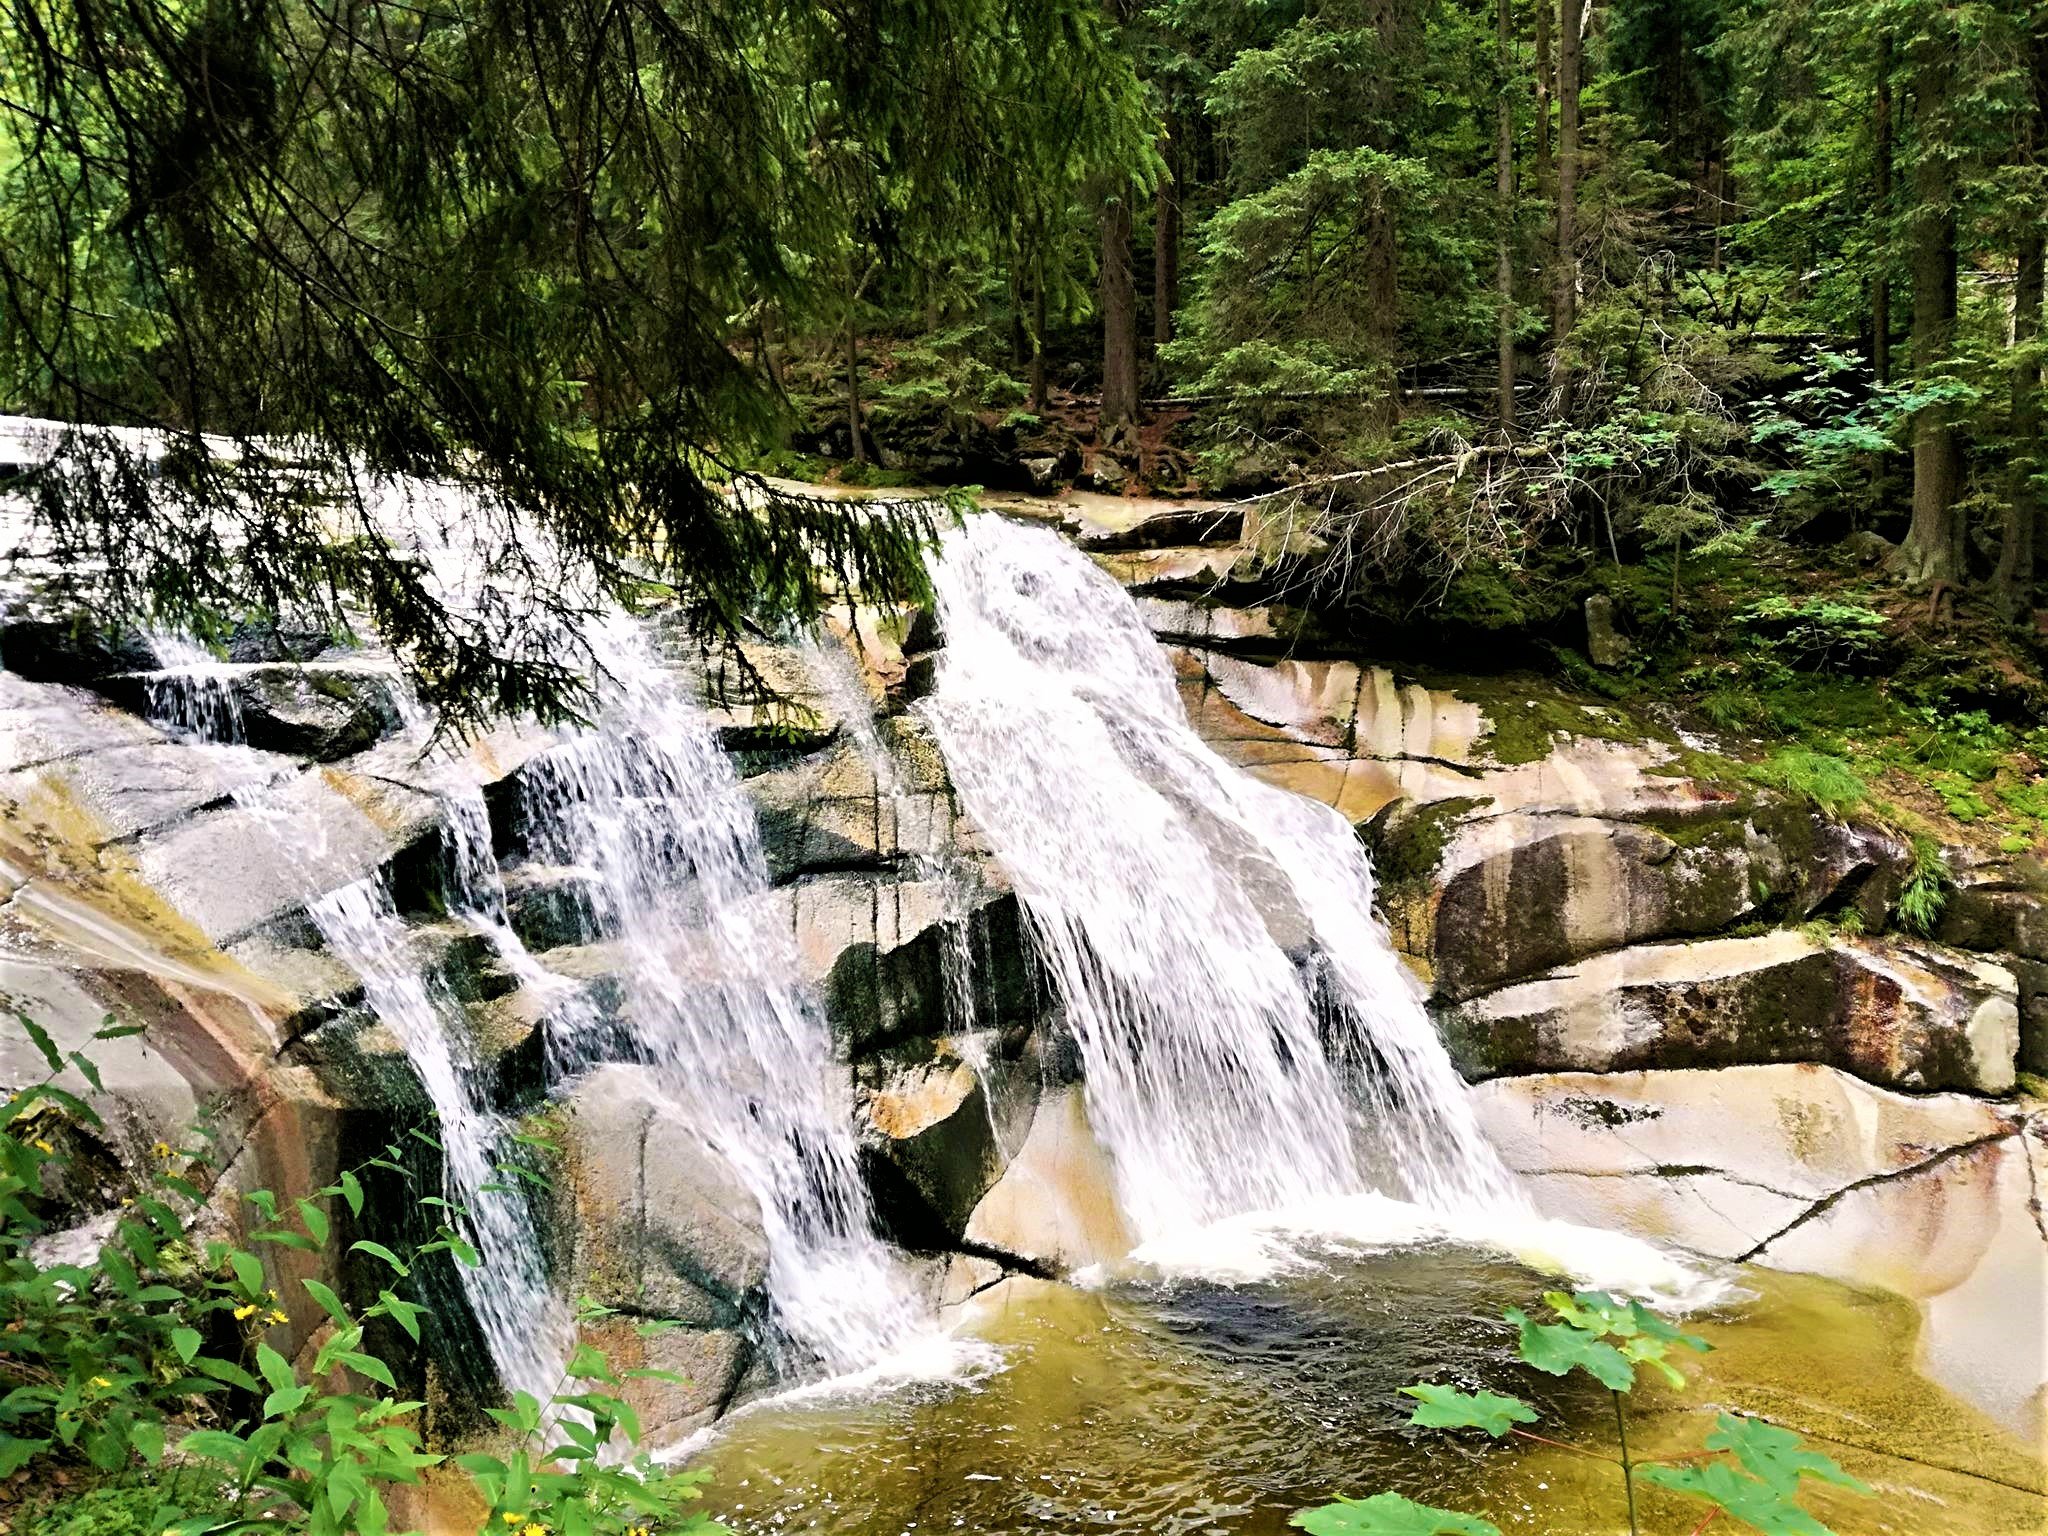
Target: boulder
point(1056, 1203)
point(1518, 894)
point(1904, 1015)
point(691, 1373)
point(927, 1133)
point(661, 1226)
point(1807, 1168)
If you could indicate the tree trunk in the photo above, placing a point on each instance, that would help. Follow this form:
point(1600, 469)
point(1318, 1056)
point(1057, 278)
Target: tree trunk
point(1382, 236)
point(1166, 238)
point(1881, 281)
point(1570, 51)
point(1119, 297)
point(1933, 549)
point(2026, 518)
point(1037, 401)
point(1545, 90)
point(860, 446)
point(1504, 191)
point(2013, 587)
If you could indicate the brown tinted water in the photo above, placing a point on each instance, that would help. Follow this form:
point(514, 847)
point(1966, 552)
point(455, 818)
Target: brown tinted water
point(1194, 1408)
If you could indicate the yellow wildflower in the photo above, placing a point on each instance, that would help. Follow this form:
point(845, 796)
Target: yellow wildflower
point(101, 1381)
point(536, 1529)
point(126, 1201)
point(243, 1314)
point(42, 1146)
point(511, 1519)
point(162, 1149)
point(277, 1316)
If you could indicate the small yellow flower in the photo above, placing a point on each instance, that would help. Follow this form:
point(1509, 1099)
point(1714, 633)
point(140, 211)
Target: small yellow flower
point(535, 1529)
point(162, 1149)
point(243, 1314)
point(277, 1315)
point(101, 1381)
point(511, 1519)
point(636, 1530)
point(42, 1146)
point(126, 1201)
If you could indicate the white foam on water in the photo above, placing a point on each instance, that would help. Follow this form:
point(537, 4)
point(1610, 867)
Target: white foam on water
point(1260, 1246)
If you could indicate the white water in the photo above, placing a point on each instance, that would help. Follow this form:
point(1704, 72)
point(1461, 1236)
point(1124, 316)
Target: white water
point(525, 1326)
point(649, 805)
point(1250, 1040)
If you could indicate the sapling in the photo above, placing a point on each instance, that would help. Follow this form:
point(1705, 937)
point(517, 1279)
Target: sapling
point(1747, 1469)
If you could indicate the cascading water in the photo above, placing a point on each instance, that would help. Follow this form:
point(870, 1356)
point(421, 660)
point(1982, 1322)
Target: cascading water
point(526, 1326)
point(1234, 1000)
point(527, 1329)
point(648, 805)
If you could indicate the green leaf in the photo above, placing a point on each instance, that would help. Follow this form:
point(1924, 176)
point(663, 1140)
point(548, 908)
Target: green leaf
point(214, 1445)
point(1776, 1456)
point(43, 1042)
point(275, 1368)
point(249, 1270)
point(112, 1031)
point(88, 1071)
point(315, 1220)
point(1559, 1348)
point(1388, 1514)
point(186, 1342)
point(227, 1371)
point(17, 1453)
point(379, 1251)
point(1448, 1408)
point(147, 1437)
point(352, 1192)
point(1749, 1500)
point(370, 1366)
point(329, 1302)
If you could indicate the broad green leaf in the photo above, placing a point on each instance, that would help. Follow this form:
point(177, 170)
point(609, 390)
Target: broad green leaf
point(370, 1366)
point(147, 1437)
point(88, 1071)
point(315, 1220)
point(1448, 1408)
point(277, 1370)
point(329, 1302)
point(1560, 1348)
point(186, 1342)
point(352, 1192)
point(112, 1031)
point(1776, 1456)
point(214, 1445)
point(379, 1251)
point(1389, 1514)
point(16, 1453)
point(1753, 1502)
point(249, 1270)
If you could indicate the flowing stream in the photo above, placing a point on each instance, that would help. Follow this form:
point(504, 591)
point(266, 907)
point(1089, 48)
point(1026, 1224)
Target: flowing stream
point(1250, 1040)
point(648, 804)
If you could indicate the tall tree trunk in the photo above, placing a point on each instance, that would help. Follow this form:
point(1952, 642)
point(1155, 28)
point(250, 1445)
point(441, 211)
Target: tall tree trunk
point(1382, 236)
point(1881, 280)
point(860, 445)
point(2013, 586)
point(1570, 55)
point(2026, 516)
point(1546, 88)
point(1166, 237)
point(1119, 299)
point(1504, 192)
point(1037, 401)
point(1933, 548)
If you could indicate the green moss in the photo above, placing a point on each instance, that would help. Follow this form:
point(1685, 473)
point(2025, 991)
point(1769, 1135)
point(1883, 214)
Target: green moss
point(1526, 722)
point(1408, 850)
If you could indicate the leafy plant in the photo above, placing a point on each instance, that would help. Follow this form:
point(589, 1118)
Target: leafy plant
point(163, 1341)
point(1748, 1470)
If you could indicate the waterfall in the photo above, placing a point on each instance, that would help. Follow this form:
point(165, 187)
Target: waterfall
point(525, 1326)
point(649, 806)
point(1249, 1039)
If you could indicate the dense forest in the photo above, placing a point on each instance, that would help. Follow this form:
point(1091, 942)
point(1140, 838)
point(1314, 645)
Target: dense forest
point(1726, 314)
